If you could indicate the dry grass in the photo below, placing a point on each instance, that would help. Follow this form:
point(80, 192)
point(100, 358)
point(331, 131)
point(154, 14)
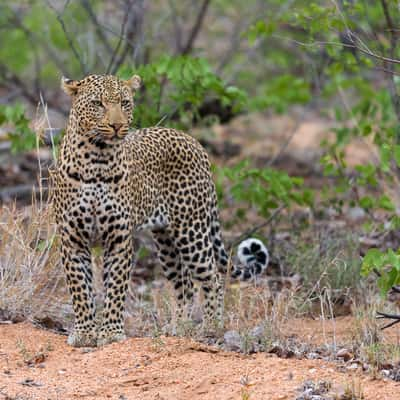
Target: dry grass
point(32, 283)
point(31, 279)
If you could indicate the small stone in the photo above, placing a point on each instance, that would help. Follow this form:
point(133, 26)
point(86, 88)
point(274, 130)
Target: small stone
point(232, 341)
point(345, 354)
point(258, 332)
point(85, 350)
point(356, 213)
point(331, 212)
point(352, 367)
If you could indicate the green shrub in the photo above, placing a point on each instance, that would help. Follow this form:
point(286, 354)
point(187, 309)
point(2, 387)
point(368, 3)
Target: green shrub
point(20, 134)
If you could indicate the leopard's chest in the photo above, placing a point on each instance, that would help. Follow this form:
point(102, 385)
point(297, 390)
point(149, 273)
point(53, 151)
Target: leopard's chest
point(95, 209)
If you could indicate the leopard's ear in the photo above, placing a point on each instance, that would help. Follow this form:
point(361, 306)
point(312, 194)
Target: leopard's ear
point(70, 86)
point(134, 82)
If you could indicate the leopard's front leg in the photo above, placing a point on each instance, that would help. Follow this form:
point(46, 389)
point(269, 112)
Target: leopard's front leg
point(118, 257)
point(76, 259)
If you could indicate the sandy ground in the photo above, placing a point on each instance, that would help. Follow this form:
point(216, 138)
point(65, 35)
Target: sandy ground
point(162, 369)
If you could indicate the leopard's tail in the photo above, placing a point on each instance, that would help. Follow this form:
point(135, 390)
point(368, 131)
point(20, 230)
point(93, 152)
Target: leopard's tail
point(252, 254)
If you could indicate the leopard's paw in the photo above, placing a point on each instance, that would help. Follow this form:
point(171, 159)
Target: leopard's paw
point(110, 337)
point(82, 339)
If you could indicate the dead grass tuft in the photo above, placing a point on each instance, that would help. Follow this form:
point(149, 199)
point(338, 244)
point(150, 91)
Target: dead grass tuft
point(31, 279)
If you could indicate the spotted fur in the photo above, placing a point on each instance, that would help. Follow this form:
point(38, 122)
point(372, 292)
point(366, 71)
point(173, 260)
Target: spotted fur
point(110, 182)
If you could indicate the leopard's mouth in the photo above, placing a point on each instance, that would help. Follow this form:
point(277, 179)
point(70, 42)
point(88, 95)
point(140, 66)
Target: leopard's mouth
point(112, 136)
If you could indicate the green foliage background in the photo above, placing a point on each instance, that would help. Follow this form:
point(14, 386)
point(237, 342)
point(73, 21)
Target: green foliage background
point(269, 55)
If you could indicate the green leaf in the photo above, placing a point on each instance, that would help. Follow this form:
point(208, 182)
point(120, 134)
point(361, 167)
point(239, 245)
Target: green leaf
point(367, 202)
point(385, 203)
point(374, 259)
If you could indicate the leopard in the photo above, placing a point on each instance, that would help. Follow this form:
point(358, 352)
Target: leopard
point(112, 181)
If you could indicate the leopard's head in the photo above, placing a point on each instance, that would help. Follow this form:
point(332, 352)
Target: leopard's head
point(102, 105)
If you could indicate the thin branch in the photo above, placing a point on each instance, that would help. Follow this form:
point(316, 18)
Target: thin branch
point(254, 229)
point(248, 55)
point(187, 48)
point(287, 141)
point(381, 315)
point(121, 35)
point(9, 76)
point(24, 190)
point(234, 44)
point(68, 37)
point(11, 80)
point(387, 70)
point(134, 27)
point(391, 83)
point(352, 46)
point(388, 18)
point(177, 27)
point(99, 32)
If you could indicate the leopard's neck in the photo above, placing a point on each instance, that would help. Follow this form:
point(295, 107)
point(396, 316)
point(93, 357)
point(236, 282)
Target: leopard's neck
point(85, 157)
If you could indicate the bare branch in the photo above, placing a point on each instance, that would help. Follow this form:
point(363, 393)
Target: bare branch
point(177, 27)
point(234, 44)
point(134, 21)
point(121, 36)
point(9, 76)
point(391, 83)
point(287, 141)
point(99, 32)
point(353, 46)
point(24, 190)
point(68, 37)
point(11, 80)
point(388, 18)
point(395, 318)
point(187, 48)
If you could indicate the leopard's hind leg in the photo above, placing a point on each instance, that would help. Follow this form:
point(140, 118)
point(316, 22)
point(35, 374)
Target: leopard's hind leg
point(174, 271)
point(197, 257)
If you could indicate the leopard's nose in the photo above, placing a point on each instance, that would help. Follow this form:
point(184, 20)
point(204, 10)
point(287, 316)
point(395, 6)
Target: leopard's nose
point(116, 127)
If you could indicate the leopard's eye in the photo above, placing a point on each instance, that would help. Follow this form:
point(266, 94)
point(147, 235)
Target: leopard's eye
point(97, 103)
point(125, 103)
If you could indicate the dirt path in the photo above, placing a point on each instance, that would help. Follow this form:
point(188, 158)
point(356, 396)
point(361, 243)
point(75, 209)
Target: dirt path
point(163, 369)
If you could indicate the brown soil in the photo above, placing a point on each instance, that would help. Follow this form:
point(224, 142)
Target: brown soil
point(36, 364)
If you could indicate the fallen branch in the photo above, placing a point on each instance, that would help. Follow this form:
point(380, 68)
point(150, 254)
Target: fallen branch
point(24, 191)
point(381, 315)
